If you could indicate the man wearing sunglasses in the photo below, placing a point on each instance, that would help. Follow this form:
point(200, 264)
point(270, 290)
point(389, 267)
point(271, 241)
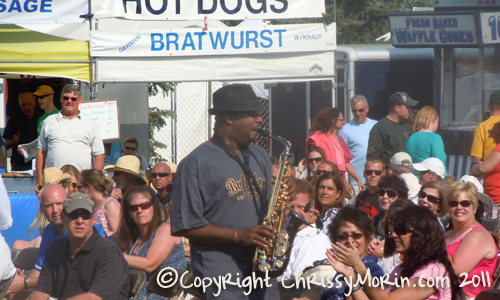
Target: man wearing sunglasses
point(51, 205)
point(69, 138)
point(356, 134)
point(45, 96)
point(130, 147)
point(367, 200)
point(82, 264)
point(219, 195)
point(160, 177)
point(21, 129)
point(390, 134)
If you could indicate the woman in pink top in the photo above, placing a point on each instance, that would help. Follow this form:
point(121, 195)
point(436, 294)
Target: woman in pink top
point(471, 248)
point(326, 124)
point(107, 209)
point(425, 271)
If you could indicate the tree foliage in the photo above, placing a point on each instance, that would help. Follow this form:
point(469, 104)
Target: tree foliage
point(157, 119)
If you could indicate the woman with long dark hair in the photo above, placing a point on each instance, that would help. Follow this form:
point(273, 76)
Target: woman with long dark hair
point(330, 193)
point(324, 134)
point(417, 236)
point(145, 237)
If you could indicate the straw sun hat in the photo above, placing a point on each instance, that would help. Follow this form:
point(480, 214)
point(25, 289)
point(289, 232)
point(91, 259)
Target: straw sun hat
point(128, 164)
point(52, 175)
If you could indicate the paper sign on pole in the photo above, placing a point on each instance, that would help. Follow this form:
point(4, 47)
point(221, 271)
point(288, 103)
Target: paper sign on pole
point(219, 41)
point(212, 9)
point(43, 11)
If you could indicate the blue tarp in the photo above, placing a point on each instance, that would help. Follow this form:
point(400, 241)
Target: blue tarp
point(24, 208)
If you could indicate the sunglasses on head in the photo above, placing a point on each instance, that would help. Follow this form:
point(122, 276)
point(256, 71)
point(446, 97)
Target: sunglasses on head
point(344, 236)
point(43, 96)
point(354, 111)
point(66, 98)
point(161, 174)
point(76, 214)
point(400, 229)
point(371, 172)
point(430, 198)
point(130, 148)
point(314, 159)
point(463, 203)
point(390, 193)
point(321, 172)
point(143, 206)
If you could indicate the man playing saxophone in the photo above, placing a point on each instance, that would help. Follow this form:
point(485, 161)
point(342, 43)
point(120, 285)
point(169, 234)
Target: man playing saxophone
point(220, 196)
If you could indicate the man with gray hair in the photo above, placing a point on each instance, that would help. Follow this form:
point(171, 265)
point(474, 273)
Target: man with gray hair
point(69, 138)
point(356, 134)
point(21, 129)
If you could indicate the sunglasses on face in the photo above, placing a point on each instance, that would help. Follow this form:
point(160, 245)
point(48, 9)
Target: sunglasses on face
point(130, 148)
point(66, 98)
point(143, 206)
point(43, 96)
point(430, 198)
point(162, 175)
point(390, 193)
point(314, 159)
point(400, 229)
point(79, 187)
point(344, 236)
point(321, 172)
point(463, 203)
point(354, 111)
point(371, 172)
point(76, 214)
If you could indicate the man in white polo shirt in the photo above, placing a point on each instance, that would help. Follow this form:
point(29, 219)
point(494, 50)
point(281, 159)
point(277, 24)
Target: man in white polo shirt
point(69, 138)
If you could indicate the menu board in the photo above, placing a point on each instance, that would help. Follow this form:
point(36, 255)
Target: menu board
point(105, 114)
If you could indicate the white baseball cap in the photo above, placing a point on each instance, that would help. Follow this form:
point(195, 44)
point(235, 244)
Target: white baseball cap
point(432, 164)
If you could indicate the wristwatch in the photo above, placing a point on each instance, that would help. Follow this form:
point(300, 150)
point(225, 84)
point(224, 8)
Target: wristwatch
point(25, 282)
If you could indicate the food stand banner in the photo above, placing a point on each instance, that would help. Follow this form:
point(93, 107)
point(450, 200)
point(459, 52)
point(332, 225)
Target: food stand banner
point(212, 9)
point(219, 41)
point(43, 11)
point(433, 30)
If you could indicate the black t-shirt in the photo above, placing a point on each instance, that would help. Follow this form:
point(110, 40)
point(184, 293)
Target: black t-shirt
point(27, 128)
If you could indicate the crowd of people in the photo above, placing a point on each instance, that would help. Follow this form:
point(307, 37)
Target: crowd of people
point(373, 198)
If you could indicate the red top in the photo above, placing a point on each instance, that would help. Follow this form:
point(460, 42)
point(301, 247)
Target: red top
point(491, 182)
point(484, 269)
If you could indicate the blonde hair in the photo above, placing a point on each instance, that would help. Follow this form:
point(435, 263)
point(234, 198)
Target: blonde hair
point(463, 187)
point(424, 118)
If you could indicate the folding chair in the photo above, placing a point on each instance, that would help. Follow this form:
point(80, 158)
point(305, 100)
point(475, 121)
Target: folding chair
point(137, 279)
point(176, 290)
point(489, 295)
point(14, 253)
point(26, 259)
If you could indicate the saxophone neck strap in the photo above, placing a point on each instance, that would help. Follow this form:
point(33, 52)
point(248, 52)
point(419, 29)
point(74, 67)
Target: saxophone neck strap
point(245, 152)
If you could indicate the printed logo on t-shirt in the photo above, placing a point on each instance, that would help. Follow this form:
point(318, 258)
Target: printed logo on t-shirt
point(236, 186)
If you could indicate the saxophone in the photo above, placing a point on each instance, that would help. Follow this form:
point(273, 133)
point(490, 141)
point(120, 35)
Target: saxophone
point(274, 260)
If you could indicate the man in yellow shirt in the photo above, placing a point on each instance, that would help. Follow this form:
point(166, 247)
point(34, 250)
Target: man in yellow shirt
point(483, 144)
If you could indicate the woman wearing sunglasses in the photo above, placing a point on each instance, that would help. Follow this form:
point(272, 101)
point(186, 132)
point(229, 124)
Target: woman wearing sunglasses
point(390, 188)
point(145, 237)
point(414, 233)
point(330, 193)
point(354, 229)
point(324, 134)
point(309, 165)
point(107, 209)
point(431, 195)
point(470, 246)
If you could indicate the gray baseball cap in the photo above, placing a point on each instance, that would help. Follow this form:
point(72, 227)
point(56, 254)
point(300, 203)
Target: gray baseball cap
point(78, 201)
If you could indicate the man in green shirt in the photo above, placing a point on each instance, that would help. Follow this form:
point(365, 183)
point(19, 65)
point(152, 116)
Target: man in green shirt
point(390, 134)
point(45, 97)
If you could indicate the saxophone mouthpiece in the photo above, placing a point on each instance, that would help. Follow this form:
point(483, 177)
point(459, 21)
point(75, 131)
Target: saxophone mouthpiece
point(264, 132)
